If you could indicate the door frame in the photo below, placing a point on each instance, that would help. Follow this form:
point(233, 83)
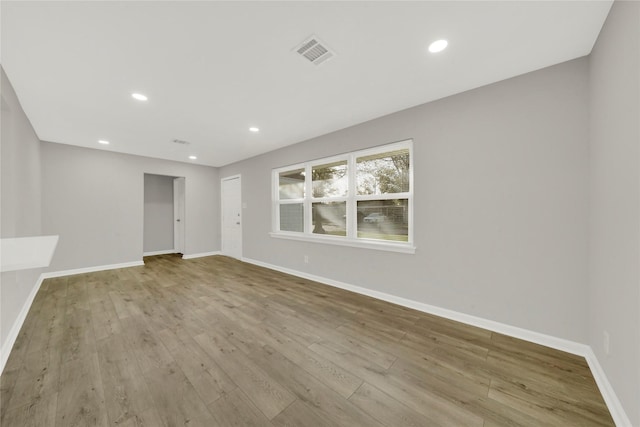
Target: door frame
point(179, 214)
point(173, 250)
point(222, 201)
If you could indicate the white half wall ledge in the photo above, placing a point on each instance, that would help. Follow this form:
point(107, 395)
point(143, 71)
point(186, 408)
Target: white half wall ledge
point(611, 399)
point(201, 255)
point(24, 253)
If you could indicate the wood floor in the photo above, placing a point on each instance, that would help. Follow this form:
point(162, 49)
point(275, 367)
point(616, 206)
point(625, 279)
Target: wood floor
point(216, 342)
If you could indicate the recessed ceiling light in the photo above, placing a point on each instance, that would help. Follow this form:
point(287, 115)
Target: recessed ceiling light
point(103, 142)
point(254, 129)
point(193, 157)
point(139, 96)
point(438, 46)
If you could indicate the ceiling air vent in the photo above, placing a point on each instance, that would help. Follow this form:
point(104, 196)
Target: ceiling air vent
point(314, 50)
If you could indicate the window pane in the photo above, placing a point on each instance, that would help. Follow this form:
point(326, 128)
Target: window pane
point(329, 218)
point(291, 184)
point(383, 173)
point(384, 219)
point(292, 217)
point(330, 180)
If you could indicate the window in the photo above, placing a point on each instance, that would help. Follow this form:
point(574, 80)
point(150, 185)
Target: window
point(291, 196)
point(364, 198)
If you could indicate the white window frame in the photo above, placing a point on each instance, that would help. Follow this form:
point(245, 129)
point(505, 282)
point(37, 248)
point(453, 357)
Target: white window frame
point(352, 199)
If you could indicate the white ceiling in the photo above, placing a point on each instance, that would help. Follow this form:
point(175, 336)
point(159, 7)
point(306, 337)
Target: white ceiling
point(213, 69)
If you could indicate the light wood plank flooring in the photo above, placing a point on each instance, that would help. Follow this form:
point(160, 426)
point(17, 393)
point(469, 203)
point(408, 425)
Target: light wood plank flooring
point(216, 342)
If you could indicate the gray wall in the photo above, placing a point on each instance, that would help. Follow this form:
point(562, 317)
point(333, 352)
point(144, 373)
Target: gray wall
point(500, 204)
point(158, 213)
point(20, 200)
point(94, 199)
point(615, 202)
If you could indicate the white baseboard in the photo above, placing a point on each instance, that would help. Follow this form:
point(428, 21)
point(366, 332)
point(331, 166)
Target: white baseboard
point(7, 345)
point(613, 403)
point(610, 398)
point(165, 252)
point(200, 255)
point(91, 269)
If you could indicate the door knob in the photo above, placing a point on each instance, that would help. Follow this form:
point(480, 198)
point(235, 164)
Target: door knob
point(178, 220)
point(237, 223)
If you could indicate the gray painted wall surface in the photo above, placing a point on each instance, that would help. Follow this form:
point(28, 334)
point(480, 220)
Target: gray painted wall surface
point(158, 213)
point(615, 202)
point(94, 199)
point(20, 199)
point(500, 204)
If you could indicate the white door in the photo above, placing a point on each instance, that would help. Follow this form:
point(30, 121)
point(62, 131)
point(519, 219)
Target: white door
point(178, 215)
point(231, 217)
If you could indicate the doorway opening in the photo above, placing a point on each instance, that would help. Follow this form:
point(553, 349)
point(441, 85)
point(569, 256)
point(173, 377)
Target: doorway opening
point(164, 219)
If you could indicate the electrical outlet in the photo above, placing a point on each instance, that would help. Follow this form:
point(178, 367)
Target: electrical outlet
point(606, 343)
point(306, 259)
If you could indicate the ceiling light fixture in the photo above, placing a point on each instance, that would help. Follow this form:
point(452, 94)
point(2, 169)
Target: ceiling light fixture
point(254, 129)
point(193, 157)
point(139, 96)
point(103, 142)
point(438, 46)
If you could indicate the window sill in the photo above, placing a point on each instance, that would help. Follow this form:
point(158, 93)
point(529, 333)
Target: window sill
point(405, 248)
